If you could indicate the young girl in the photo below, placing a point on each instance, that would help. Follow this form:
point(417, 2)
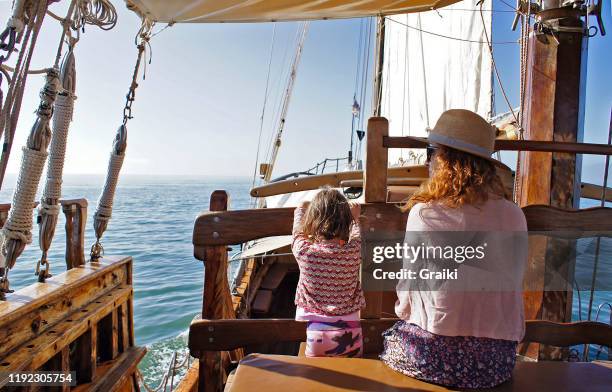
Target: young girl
point(327, 247)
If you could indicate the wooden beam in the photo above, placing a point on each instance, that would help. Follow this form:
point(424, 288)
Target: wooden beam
point(375, 176)
point(60, 362)
point(34, 353)
point(554, 112)
point(124, 327)
point(236, 227)
point(307, 183)
point(37, 308)
point(377, 217)
point(118, 374)
point(398, 181)
point(75, 211)
point(516, 145)
point(86, 355)
point(548, 218)
point(594, 192)
point(217, 300)
point(210, 335)
point(568, 334)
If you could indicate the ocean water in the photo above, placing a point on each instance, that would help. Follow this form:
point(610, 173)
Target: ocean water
point(152, 222)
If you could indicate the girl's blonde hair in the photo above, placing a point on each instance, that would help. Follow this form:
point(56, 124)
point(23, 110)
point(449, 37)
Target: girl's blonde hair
point(328, 216)
point(458, 179)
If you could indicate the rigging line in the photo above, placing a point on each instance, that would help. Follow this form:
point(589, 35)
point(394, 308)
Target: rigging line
point(513, 11)
point(404, 87)
point(265, 100)
point(366, 68)
point(449, 37)
point(490, 46)
point(423, 68)
point(359, 42)
point(278, 98)
point(355, 113)
point(513, 8)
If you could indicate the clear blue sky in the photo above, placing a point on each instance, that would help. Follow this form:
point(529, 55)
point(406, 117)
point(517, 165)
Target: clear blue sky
point(197, 112)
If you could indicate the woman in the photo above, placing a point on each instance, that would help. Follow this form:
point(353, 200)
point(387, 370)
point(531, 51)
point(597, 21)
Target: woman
point(466, 337)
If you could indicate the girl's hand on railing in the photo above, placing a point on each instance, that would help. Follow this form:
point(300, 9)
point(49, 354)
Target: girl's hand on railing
point(355, 210)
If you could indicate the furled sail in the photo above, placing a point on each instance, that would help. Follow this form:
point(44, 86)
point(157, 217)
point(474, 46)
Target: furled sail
point(434, 61)
point(211, 11)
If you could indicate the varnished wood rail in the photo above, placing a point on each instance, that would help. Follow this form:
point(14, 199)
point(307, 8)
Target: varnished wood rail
point(512, 145)
point(332, 179)
point(217, 335)
point(81, 321)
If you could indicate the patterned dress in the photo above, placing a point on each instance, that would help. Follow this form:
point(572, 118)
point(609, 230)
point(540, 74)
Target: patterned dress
point(454, 361)
point(329, 272)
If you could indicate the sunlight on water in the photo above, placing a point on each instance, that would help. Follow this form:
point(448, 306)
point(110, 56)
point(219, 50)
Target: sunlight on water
point(152, 222)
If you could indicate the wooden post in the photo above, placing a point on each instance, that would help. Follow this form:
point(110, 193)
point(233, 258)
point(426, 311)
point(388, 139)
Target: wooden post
point(108, 342)
point(375, 176)
point(75, 211)
point(59, 363)
point(554, 111)
point(217, 301)
point(85, 356)
point(124, 325)
point(4, 209)
point(375, 191)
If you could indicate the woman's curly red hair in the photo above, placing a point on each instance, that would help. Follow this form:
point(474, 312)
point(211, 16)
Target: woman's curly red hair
point(458, 179)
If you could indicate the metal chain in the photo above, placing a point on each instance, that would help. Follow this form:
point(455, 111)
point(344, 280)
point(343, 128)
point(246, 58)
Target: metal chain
point(145, 35)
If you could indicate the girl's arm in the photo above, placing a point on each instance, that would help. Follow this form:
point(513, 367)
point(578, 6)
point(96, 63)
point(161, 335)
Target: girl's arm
point(299, 239)
point(355, 233)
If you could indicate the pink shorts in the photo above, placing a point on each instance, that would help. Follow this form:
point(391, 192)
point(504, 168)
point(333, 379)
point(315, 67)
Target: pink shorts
point(334, 339)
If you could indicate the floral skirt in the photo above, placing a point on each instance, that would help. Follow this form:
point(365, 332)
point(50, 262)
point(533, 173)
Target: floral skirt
point(456, 361)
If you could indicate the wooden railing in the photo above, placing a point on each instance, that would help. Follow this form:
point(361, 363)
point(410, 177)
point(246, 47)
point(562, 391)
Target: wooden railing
point(79, 321)
point(212, 335)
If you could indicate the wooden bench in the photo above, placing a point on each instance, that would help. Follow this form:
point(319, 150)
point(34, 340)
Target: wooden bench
point(278, 372)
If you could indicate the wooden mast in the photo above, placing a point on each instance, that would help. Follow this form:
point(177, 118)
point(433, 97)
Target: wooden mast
point(378, 67)
point(554, 111)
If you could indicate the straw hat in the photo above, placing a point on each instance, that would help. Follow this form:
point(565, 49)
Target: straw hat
point(465, 131)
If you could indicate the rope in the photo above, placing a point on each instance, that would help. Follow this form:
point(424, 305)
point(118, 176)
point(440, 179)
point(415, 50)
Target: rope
point(524, 55)
point(62, 116)
point(19, 223)
point(100, 13)
point(263, 108)
point(490, 46)
point(12, 103)
point(423, 69)
point(105, 203)
point(449, 37)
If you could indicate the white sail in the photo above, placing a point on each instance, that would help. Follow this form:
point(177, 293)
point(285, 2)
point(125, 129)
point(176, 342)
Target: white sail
point(424, 74)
